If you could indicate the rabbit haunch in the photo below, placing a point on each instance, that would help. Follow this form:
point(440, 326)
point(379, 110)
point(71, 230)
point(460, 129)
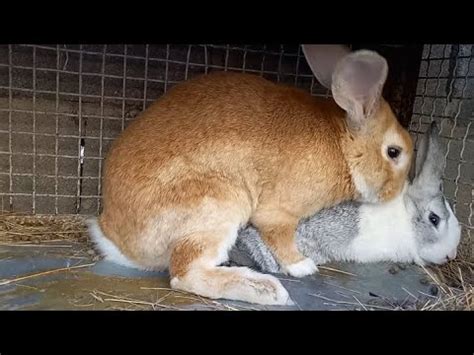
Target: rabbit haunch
point(224, 149)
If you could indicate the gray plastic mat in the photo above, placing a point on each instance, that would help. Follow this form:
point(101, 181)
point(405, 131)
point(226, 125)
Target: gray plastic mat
point(67, 285)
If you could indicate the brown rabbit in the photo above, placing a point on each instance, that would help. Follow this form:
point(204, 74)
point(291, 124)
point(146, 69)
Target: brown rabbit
point(224, 149)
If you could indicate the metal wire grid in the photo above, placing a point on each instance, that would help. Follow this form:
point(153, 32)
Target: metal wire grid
point(445, 94)
point(62, 105)
point(60, 114)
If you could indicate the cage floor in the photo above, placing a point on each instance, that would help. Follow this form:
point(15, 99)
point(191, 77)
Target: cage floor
point(48, 264)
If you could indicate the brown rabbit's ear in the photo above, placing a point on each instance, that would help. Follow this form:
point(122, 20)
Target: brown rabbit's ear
point(322, 59)
point(357, 84)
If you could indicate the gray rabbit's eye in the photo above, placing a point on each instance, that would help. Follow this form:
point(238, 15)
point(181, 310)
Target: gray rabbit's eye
point(394, 152)
point(434, 219)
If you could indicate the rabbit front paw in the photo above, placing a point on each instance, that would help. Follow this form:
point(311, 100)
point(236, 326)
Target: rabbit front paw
point(301, 268)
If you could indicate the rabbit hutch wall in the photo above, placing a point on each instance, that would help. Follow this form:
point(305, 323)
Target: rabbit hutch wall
point(61, 106)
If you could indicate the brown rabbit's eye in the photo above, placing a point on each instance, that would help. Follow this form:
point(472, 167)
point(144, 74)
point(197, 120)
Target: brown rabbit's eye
point(393, 152)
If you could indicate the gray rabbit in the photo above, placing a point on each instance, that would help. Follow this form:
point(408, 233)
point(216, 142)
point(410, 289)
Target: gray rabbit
point(418, 226)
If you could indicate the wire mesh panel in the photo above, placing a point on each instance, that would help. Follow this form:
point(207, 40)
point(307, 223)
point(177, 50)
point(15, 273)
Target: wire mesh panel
point(62, 105)
point(445, 94)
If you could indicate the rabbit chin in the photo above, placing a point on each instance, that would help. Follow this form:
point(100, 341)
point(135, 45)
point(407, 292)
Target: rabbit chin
point(436, 255)
point(431, 261)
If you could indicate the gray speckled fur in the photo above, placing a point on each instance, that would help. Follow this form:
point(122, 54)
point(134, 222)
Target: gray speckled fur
point(320, 237)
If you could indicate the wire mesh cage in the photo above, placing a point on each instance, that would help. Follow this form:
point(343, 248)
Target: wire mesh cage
point(62, 105)
point(445, 94)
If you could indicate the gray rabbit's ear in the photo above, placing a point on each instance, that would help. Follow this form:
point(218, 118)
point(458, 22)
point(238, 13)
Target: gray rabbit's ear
point(420, 157)
point(412, 172)
point(322, 59)
point(430, 162)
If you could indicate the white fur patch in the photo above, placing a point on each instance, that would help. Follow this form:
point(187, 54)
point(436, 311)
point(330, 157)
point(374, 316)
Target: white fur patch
point(106, 247)
point(385, 233)
point(301, 268)
point(368, 194)
point(454, 230)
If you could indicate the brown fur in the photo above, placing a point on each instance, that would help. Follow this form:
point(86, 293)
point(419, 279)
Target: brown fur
point(184, 253)
point(363, 151)
point(280, 239)
point(225, 148)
